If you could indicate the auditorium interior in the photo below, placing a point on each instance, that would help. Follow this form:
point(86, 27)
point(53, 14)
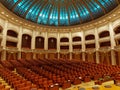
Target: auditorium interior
point(59, 44)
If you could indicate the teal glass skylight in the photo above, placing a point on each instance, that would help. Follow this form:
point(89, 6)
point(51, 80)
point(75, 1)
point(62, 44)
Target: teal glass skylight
point(60, 12)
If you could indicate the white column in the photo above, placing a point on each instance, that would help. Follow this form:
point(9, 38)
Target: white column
point(112, 40)
point(33, 40)
point(46, 44)
point(83, 46)
point(58, 45)
point(19, 44)
point(70, 45)
point(3, 43)
point(33, 43)
point(97, 45)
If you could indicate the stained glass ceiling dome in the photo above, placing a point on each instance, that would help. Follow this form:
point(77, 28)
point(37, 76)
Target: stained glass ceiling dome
point(60, 12)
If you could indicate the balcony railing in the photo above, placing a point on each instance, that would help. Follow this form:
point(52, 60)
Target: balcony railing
point(90, 50)
point(26, 50)
point(52, 50)
point(38, 50)
point(77, 50)
point(12, 49)
point(64, 51)
point(104, 49)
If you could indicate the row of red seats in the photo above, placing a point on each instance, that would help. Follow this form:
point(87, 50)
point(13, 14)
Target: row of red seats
point(40, 81)
point(66, 72)
point(62, 82)
point(15, 81)
point(3, 87)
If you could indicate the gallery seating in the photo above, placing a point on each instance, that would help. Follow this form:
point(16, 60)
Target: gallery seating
point(53, 74)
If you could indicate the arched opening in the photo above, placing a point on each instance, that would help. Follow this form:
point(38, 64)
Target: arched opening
point(90, 37)
point(104, 34)
point(64, 47)
point(52, 43)
point(90, 45)
point(12, 33)
point(105, 44)
point(11, 55)
point(26, 41)
point(77, 46)
point(64, 40)
point(76, 39)
point(39, 43)
point(11, 44)
point(117, 30)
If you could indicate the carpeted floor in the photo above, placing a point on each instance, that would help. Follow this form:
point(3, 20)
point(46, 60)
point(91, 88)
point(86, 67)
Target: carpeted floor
point(89, 85)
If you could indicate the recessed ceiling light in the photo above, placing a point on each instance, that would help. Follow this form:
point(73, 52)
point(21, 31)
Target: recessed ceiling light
point(12, 18)
point(114, 14)
point(3, 12)
point(109, 17)
point(96, 23)
point(16, 20)
point(104, 20)
point(6, 15)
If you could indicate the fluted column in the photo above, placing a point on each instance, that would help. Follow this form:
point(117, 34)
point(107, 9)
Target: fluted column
point(58, 45)
point(3, 43)
point(83, 46)
point(112, 43)
point(70, 45)
point(97, 45)
point(19, 44)
point(46, 44)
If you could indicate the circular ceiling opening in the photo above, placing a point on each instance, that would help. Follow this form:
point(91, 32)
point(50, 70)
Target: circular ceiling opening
point(60, 12)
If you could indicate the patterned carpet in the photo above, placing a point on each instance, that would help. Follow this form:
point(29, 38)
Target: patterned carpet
point(88, 86)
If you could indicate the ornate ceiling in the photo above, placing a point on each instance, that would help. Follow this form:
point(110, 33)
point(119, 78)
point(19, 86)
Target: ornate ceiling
point(60, 12)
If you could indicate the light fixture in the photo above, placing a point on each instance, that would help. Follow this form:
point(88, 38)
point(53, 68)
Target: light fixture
point(3, 12)
point(114, 14)
point(12, 18)
point(6, 15)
